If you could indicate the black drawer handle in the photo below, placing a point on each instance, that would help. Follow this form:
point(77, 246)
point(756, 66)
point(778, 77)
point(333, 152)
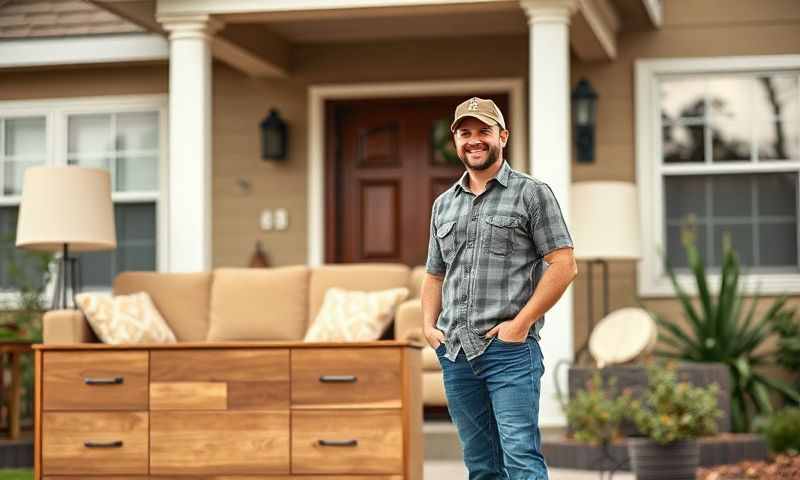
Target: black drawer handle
point(338, 379)
point(114, 444)
point(104, 381)
point(338, 443)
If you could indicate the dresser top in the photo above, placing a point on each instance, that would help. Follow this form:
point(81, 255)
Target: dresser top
point(228, 345)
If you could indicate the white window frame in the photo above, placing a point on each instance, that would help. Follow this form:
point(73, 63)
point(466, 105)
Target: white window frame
point(57, 112)
point(652, 279)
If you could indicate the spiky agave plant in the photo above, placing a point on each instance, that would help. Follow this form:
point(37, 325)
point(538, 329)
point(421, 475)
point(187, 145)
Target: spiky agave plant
point(721, 331)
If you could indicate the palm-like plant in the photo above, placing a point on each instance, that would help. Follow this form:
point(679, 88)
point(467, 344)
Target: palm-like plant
point(720, 330)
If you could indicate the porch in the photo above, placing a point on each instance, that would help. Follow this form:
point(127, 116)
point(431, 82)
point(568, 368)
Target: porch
point(227, 57)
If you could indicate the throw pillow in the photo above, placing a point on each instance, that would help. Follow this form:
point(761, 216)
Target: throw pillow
point(125, 319)
point(354, 316)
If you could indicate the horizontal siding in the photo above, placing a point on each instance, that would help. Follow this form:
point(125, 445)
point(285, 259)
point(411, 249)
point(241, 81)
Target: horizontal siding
point(697, 13)
point(50, 18)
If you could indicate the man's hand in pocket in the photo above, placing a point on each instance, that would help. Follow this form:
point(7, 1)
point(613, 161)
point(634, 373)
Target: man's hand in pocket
point(434, 337)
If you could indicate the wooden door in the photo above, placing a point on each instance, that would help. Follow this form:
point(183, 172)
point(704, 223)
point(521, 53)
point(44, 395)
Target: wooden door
point(386, 161)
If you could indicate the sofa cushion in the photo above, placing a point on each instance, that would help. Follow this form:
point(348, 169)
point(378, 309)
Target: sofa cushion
point(182, 299)
point(415, 281)
point(408, 321)
point(430, 360)
point(124, 319)
point(368, 277)
point(66, 326)
point(433, 391)
point(259, 303)
point(354, 316)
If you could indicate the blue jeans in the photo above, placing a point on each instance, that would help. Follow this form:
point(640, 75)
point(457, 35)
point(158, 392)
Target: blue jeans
point(493, 400)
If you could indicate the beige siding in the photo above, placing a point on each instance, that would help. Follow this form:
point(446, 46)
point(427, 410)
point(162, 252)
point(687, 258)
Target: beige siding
point(50, 18)
point(239, 106)
point(692, 28)
point(83, 82)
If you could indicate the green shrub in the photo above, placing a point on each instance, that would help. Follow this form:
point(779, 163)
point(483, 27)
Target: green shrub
point(787, 328)
point(595, 413)
point(782, 430)
point(669, 411)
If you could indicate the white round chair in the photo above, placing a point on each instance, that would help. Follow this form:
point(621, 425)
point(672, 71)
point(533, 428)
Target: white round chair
point(623, 336)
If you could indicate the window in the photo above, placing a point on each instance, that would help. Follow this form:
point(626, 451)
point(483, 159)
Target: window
point(22, 144)
point(122, 135)
point(126, 144)
point(726, 158)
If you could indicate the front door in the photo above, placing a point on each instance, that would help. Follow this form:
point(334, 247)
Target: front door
point(386, 161)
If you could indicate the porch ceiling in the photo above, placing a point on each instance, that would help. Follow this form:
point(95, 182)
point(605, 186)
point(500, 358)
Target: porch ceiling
point(347, 25)
point(258, 40)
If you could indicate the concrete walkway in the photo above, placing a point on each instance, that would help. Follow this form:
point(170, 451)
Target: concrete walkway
point(452, 470)
point(443, 459)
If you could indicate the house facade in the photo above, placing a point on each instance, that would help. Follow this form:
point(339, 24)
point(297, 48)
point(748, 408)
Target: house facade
point(698, 106)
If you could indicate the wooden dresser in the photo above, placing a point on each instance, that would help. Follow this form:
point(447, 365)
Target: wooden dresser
point(249, 411)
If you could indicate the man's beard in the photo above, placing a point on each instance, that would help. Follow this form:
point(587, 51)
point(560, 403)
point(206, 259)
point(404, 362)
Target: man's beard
point(492, 155)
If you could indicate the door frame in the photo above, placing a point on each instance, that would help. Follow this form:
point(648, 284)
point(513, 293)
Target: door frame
point(319, 94)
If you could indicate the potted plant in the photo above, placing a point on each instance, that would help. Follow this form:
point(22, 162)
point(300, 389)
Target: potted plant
point(595, 415)
point(670, 415)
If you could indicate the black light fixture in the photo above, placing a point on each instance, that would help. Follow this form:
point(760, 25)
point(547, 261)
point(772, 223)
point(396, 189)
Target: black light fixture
point(274, 137)
point(584, 110)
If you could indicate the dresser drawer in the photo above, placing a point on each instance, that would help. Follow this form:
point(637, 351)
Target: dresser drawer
point(346, 378)
point(95, 380)
point(94, 443)
point(219, 443)
point(219, 379)
point(347, 441)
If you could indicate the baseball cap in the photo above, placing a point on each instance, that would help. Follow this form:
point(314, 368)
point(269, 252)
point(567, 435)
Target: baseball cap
point(483, 109)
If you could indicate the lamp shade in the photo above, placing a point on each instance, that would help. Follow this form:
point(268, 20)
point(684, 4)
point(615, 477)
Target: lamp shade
point(69, 205)
point(605, 220)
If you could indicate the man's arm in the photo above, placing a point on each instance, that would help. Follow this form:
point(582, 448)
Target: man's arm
point(562, 271)
point(431, 290)
point(431, 296)
point(559, 274)
point(553, 242)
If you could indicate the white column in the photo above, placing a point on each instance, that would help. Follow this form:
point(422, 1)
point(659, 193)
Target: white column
point(189, 197)
point(549, 157)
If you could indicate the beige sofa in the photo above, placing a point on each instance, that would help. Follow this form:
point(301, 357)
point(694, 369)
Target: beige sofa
point(229, 304)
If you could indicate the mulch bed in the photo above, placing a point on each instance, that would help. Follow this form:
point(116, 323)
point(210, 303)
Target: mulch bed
point(780, 467)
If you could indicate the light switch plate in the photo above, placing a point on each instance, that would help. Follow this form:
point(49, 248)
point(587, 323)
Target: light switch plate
point(281, 219)
point(266, 219)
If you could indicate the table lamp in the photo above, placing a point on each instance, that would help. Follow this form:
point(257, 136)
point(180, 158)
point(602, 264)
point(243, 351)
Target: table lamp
point(68, 209)
point(605, 226)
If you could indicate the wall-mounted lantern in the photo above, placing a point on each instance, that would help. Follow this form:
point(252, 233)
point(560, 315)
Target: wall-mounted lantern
point(274, 137)
point(584, 110)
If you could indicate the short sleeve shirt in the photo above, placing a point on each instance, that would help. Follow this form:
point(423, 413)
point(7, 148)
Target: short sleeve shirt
point(490, 250)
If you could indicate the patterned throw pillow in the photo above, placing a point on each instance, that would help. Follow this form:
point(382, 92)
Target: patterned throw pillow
point(125, 319)
point(354, 316)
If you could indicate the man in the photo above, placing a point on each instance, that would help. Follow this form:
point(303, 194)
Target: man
point(485, 295)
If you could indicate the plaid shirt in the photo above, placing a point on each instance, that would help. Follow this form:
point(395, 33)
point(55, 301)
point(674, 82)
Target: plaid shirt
point(490, 250)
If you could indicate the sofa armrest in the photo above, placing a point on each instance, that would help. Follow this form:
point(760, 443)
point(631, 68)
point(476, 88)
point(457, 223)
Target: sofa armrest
point(66, 326)
point(408, 321)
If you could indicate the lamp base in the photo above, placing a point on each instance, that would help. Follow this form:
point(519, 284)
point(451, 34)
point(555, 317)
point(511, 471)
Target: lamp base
point(68, 270)
point(584, 349)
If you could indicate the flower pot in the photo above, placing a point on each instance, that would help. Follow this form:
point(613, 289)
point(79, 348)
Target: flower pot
point(653, 461)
